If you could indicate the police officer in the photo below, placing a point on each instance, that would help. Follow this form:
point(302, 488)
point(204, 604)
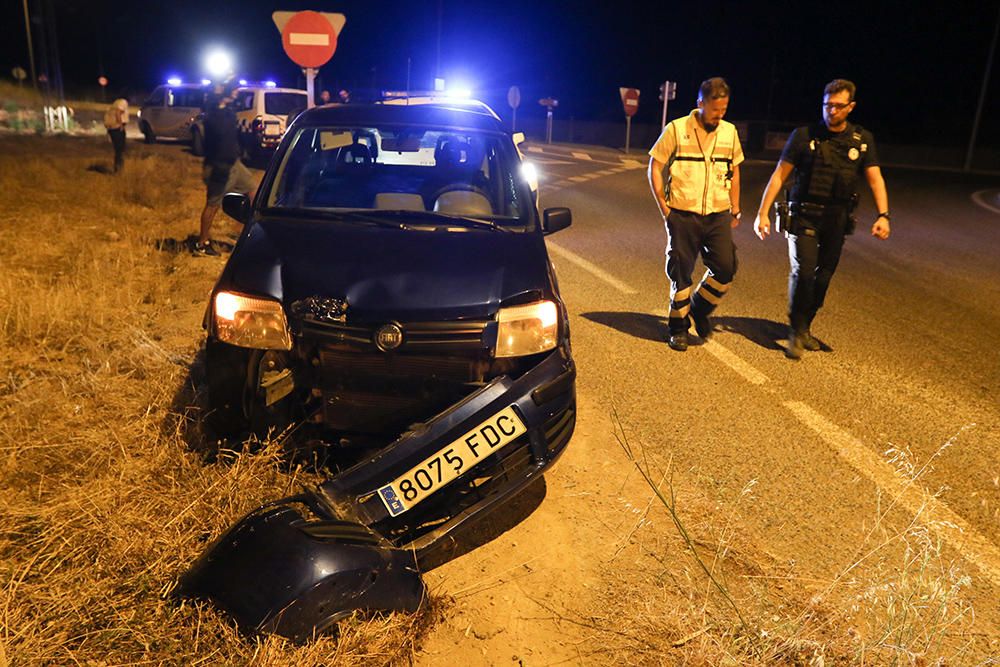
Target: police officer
point(826, 159)
point(700, 205)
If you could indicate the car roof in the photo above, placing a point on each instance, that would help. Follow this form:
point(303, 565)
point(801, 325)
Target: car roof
point(442, 115)
point(273, 89)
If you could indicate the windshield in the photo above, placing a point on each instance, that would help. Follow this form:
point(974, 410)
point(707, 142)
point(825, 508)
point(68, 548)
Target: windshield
point(280, 104)
point(432, 176)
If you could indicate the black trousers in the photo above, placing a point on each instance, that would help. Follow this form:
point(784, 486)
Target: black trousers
point(813, 258)
point(689, 234)
point(118, 142)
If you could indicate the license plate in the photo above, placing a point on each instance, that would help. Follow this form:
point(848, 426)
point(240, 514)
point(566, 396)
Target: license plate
point(461, 455)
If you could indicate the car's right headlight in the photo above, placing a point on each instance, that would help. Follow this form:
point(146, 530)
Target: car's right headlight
point(249, 321)
point(527, 329)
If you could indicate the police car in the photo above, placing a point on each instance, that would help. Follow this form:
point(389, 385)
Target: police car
point(391, 296)
point(262, 115)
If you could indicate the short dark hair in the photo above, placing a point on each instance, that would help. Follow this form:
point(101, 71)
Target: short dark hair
point(713, 89)
point(838, 85)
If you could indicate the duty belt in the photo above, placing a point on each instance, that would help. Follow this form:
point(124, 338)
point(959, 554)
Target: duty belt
point(814, 210)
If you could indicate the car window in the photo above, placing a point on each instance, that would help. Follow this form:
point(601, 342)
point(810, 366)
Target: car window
point(280, 104)
point(459, 173)
point(156, 99)
point(245, 100)
point(187, 97)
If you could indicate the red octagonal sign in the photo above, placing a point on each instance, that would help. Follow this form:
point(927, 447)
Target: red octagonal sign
point(309, 39)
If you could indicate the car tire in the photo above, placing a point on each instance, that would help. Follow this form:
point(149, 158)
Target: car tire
point(235, 406)
point(227, 369)
point(147, 132)
point(197, 142)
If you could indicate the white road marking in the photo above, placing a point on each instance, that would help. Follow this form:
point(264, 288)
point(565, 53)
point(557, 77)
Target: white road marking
point(580, 179)
point(985, 197)
point(592, 268)
point(534, 149)
point(548, 160)
point(633, 164)
point(309, 39)
point(581, 156)
point(722, 353)
point(934, 514)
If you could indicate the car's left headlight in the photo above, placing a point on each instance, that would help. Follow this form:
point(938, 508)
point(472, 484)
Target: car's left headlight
point(527, 329)
point(249, 321)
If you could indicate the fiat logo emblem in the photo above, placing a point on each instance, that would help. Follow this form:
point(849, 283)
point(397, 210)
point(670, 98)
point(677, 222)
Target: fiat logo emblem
point(388, 337)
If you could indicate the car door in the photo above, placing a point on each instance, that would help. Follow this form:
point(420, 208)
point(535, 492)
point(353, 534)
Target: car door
point(152, 109)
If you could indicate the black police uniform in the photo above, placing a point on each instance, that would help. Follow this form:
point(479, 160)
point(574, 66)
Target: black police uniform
point(821, 201)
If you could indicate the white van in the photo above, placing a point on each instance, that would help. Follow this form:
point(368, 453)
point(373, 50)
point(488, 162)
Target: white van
point(170, 111)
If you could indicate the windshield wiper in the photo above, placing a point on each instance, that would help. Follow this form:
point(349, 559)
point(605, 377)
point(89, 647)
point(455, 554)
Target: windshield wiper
point(365, 216)
point(446, 219)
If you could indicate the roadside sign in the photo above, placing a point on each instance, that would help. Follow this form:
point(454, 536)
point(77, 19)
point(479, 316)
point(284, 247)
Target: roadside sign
point(19, 74)
point(514, 97)
point(102, 81)
point(630, 100)
point(514, 100)
point(309, 38)
point(549, 103)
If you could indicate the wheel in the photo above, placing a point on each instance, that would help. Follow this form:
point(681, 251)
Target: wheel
point(197, 142)
point(227, 369)
point(147, 132)
point(235, 401)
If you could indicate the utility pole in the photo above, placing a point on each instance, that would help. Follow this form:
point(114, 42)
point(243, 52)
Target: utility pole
point(31, 50)
point(982, 96)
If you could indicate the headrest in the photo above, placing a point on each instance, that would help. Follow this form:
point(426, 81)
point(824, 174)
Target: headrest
point(452, 152)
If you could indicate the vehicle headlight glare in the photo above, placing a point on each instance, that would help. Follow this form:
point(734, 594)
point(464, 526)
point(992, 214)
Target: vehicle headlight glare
point(527, 329)
point(248, 321)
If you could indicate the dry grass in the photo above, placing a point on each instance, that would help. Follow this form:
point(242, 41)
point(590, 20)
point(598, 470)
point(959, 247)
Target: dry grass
point(104, 496)
point(901, 600)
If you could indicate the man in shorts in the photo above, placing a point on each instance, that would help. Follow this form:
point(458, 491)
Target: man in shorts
point(222, 170)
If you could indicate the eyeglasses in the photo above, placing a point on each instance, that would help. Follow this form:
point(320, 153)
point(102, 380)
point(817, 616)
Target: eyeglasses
point(837, 106)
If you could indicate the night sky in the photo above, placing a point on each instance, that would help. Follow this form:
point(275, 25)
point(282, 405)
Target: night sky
point(919, 66)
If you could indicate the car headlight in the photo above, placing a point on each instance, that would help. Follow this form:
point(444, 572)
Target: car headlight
point(527, 329)
point(247, 321)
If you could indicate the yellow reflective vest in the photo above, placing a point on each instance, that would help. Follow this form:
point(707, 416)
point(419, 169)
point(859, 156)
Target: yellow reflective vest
point(700, 165)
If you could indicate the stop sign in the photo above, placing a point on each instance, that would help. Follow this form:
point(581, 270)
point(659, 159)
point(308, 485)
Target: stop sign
point(630, 100)
point(309, 39)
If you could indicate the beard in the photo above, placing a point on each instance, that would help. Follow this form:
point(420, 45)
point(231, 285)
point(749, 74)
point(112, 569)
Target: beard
point(709, 127)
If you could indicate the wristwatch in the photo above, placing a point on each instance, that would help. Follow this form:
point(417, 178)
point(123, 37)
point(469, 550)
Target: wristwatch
point(883, 215)
point(737, 214)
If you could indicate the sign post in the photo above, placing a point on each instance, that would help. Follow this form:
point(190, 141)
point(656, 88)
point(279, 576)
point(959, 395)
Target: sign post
point(310, 40)
point(668, 91)
point(630, 101)
point(549, 103)
point(514, 100)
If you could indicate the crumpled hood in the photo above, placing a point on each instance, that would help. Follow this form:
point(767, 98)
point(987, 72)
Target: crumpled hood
point(388, 273)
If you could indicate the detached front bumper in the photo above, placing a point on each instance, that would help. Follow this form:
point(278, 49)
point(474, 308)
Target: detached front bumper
point(297, 565)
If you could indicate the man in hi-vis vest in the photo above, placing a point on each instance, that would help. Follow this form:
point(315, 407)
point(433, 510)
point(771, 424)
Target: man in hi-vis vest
point(700, 204)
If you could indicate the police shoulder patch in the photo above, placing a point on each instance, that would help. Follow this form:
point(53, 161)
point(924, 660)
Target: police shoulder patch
point(853, 153)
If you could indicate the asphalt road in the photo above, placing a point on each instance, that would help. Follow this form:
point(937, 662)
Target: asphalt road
point(912, 331)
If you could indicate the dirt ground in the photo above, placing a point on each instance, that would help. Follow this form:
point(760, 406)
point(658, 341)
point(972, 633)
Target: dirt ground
point(101, 306)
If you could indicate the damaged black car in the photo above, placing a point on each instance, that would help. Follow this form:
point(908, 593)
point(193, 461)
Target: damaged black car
point(391, 291)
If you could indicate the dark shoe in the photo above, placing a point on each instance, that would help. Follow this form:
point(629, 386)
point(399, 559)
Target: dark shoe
point(809, 342)
point(794, 348)
point(702, 325)
point(678, 341)
point(204, 250)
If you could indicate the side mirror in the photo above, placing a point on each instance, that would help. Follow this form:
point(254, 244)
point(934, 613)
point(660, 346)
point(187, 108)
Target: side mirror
point(237, 207)
point(554, 219)
point(518, 138)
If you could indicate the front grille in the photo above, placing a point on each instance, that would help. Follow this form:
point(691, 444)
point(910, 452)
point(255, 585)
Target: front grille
point(418, 337)
point(366, 390)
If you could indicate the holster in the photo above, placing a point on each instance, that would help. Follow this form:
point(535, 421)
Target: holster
point(790, 218)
